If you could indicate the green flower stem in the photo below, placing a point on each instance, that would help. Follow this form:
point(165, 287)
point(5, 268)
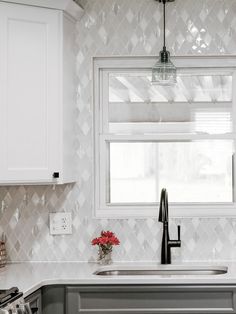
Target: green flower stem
point(104, 249)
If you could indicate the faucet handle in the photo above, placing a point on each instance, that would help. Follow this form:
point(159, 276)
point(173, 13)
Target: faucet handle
point(179, 232)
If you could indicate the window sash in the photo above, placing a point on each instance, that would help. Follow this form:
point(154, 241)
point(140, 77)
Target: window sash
point(105, 167)
point(150, 173)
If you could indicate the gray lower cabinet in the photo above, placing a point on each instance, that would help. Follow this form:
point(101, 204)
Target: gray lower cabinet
point(144, 299)
point(35, 301)
point(53, 298)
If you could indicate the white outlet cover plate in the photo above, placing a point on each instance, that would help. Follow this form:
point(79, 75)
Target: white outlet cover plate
point(60, 223)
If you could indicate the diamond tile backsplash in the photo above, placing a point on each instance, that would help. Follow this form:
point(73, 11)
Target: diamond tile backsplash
point(121, 27)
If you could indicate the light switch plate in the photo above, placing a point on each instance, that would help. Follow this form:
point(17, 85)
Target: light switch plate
point(60, 223)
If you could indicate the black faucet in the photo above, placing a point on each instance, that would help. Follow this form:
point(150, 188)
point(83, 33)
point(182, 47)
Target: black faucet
point(167, 244)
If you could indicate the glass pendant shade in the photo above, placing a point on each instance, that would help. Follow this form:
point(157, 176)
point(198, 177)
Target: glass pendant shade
point(164, 72)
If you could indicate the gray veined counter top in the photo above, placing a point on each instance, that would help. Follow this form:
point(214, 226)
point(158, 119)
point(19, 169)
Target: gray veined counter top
point(30, 276)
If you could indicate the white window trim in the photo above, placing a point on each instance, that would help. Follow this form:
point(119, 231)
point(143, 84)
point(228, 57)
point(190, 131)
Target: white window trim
point(102, 209)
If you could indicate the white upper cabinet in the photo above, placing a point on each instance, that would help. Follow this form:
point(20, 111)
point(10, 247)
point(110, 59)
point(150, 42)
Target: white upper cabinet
point(37, 95)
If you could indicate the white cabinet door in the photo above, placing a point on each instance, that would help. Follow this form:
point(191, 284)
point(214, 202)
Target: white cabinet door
point(29, 93)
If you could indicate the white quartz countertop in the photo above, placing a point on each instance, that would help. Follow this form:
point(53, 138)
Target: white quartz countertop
point(29, 277)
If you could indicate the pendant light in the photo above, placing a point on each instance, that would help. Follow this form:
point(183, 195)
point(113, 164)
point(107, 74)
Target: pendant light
point(164, 71)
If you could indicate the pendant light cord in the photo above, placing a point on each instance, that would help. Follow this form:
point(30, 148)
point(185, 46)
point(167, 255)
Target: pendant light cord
point(164, 15)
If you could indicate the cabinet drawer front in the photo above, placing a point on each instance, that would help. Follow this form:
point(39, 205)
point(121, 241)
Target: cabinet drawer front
point(149, 300)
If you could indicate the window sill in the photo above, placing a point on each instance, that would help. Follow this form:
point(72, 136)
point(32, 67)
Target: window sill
point(175, 211)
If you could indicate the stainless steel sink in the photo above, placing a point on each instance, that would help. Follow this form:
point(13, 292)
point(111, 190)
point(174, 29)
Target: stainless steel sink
point(162, 271)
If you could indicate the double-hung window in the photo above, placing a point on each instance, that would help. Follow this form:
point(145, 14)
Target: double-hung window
point(149, 137)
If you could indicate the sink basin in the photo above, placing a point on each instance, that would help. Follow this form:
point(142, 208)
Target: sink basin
point(162, 271)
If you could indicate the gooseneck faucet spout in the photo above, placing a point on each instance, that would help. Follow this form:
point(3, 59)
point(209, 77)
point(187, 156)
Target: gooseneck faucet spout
point(167, 244)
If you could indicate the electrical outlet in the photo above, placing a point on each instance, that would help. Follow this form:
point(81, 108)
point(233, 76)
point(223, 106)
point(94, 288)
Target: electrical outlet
point(60, 223)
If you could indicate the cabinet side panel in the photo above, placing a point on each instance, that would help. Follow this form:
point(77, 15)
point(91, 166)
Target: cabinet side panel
point(3, 108)
point(35, 301)
point(69, 99)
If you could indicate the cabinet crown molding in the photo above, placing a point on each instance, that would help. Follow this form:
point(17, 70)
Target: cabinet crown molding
point(72, 7)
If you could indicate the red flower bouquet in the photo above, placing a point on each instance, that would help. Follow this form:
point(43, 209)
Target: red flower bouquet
point(105, 243)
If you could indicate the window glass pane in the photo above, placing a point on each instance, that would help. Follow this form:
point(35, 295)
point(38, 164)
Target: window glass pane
point(197, 103)
point(199, 171)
